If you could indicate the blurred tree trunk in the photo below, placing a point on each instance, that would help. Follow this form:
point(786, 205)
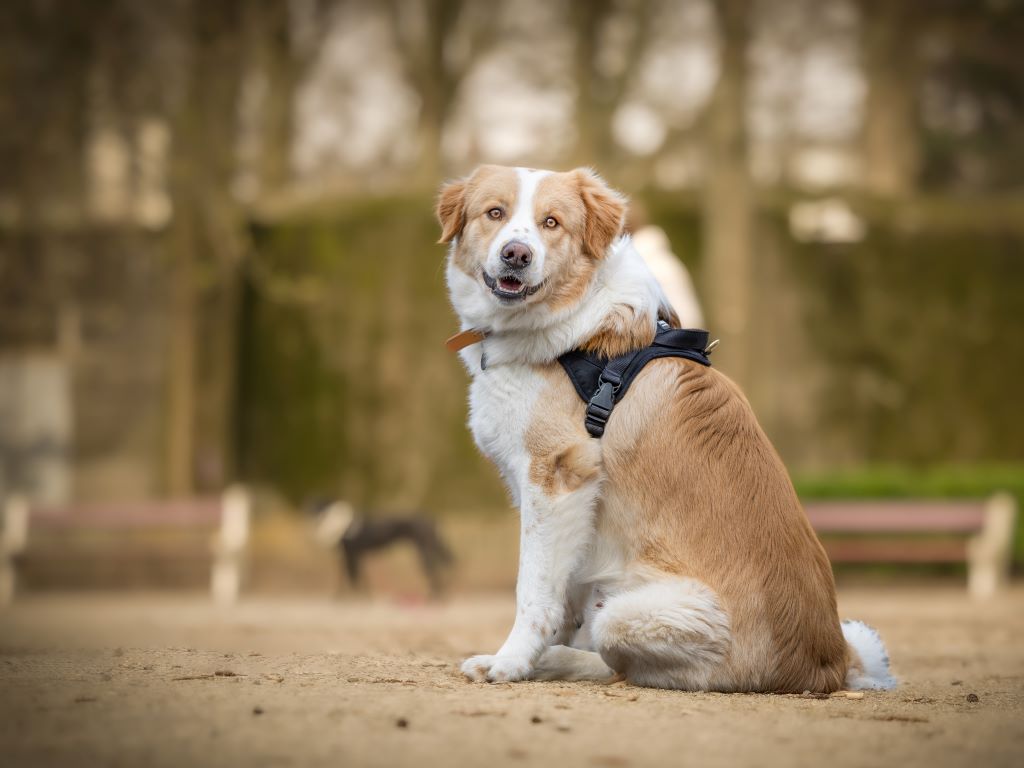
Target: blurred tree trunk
point(181, 361)
point(436, 86)
point(205, 240)
point(421, 40)
point(273, 60)
point(591, 118)
point(890, 140)
point(601, 92)
point(728, 205)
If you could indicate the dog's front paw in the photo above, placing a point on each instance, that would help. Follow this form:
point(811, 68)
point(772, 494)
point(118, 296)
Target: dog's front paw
point(496, 669)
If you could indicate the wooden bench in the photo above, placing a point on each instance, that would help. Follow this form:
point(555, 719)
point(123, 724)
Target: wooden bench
point(978, 532)
point(227, 518)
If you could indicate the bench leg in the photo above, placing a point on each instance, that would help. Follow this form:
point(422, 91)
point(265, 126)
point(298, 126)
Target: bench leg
point(226, 576)
point(989, 553)
point(8, 578)
point(226, 580)
point(13, 539)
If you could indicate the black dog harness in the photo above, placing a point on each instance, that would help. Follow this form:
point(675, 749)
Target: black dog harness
point(603, 382)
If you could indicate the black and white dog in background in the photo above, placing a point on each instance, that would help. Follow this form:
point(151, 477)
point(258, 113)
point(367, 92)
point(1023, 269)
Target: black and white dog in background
point(338, 526)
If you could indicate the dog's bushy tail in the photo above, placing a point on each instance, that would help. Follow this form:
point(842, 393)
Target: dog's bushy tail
point(869, 662)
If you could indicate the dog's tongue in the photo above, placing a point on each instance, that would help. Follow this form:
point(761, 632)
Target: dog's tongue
point(509, 284)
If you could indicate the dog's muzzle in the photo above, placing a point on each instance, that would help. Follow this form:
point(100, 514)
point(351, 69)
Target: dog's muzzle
point(509, 286)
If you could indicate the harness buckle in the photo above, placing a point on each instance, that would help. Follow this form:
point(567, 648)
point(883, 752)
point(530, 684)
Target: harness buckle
point(600, 408)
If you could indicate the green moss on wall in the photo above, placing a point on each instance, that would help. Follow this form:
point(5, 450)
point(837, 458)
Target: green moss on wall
point(345, 385)
point(920, 340)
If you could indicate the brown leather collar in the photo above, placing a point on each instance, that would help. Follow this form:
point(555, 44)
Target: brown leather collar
point(465, 339)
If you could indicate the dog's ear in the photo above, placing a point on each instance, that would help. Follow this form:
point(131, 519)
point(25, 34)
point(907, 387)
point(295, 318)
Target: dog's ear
point(606, 212)
point(451, 209)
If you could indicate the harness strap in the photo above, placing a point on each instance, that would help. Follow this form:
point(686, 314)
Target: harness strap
point(601, 403)
point(601, 383)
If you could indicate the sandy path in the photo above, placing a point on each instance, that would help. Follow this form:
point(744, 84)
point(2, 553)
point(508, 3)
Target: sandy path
point(164, 681)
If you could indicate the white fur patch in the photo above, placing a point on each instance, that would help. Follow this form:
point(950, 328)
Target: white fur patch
point(676, 625)
point(522, 226)
point(560, 662)
point(874, 672)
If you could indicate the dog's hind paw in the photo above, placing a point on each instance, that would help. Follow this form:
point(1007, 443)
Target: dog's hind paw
point(496, 669)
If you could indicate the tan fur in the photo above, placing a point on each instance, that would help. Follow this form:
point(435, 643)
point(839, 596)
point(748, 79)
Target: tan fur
point(562, 455)
point(569, 291)
point(623, 331)
point(712, 501)
point(558, 194)
point(856, 664)
point(708, 499)
point(603, 212)
point(462, 210)
point(451, 210)
point(606, 212)
point(666, 313)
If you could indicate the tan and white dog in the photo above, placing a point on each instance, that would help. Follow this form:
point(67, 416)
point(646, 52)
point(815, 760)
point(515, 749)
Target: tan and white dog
point(673, 550)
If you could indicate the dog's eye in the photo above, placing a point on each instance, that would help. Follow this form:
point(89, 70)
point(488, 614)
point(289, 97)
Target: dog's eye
point(495, 213)
point(550, 222)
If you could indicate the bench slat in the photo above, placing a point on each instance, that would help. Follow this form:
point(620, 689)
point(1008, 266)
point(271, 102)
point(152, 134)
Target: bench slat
point(148, 514)
point(896, 516)
point(895, 551)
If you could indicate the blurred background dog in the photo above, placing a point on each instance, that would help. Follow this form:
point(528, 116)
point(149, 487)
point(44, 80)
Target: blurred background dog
point(354, 534)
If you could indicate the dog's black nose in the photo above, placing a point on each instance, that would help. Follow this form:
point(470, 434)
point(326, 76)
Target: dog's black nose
point(517, 254)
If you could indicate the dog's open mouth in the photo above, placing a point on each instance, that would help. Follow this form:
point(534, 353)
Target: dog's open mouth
point(509, 287)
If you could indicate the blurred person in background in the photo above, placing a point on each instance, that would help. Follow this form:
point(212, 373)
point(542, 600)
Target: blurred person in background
point(653, 244)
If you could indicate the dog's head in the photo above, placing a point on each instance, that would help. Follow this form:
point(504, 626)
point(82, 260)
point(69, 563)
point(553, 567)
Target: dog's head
point(525, 238)
point(333, 520)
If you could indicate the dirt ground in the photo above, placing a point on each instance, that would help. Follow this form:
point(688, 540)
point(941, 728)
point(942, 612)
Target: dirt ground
point(171, 681)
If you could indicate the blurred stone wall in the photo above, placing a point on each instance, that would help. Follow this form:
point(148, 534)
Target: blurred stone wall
point(82, 328)
point(906, 346)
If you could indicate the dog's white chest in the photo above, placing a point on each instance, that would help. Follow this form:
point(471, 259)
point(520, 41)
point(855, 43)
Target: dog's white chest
point(501, 401)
